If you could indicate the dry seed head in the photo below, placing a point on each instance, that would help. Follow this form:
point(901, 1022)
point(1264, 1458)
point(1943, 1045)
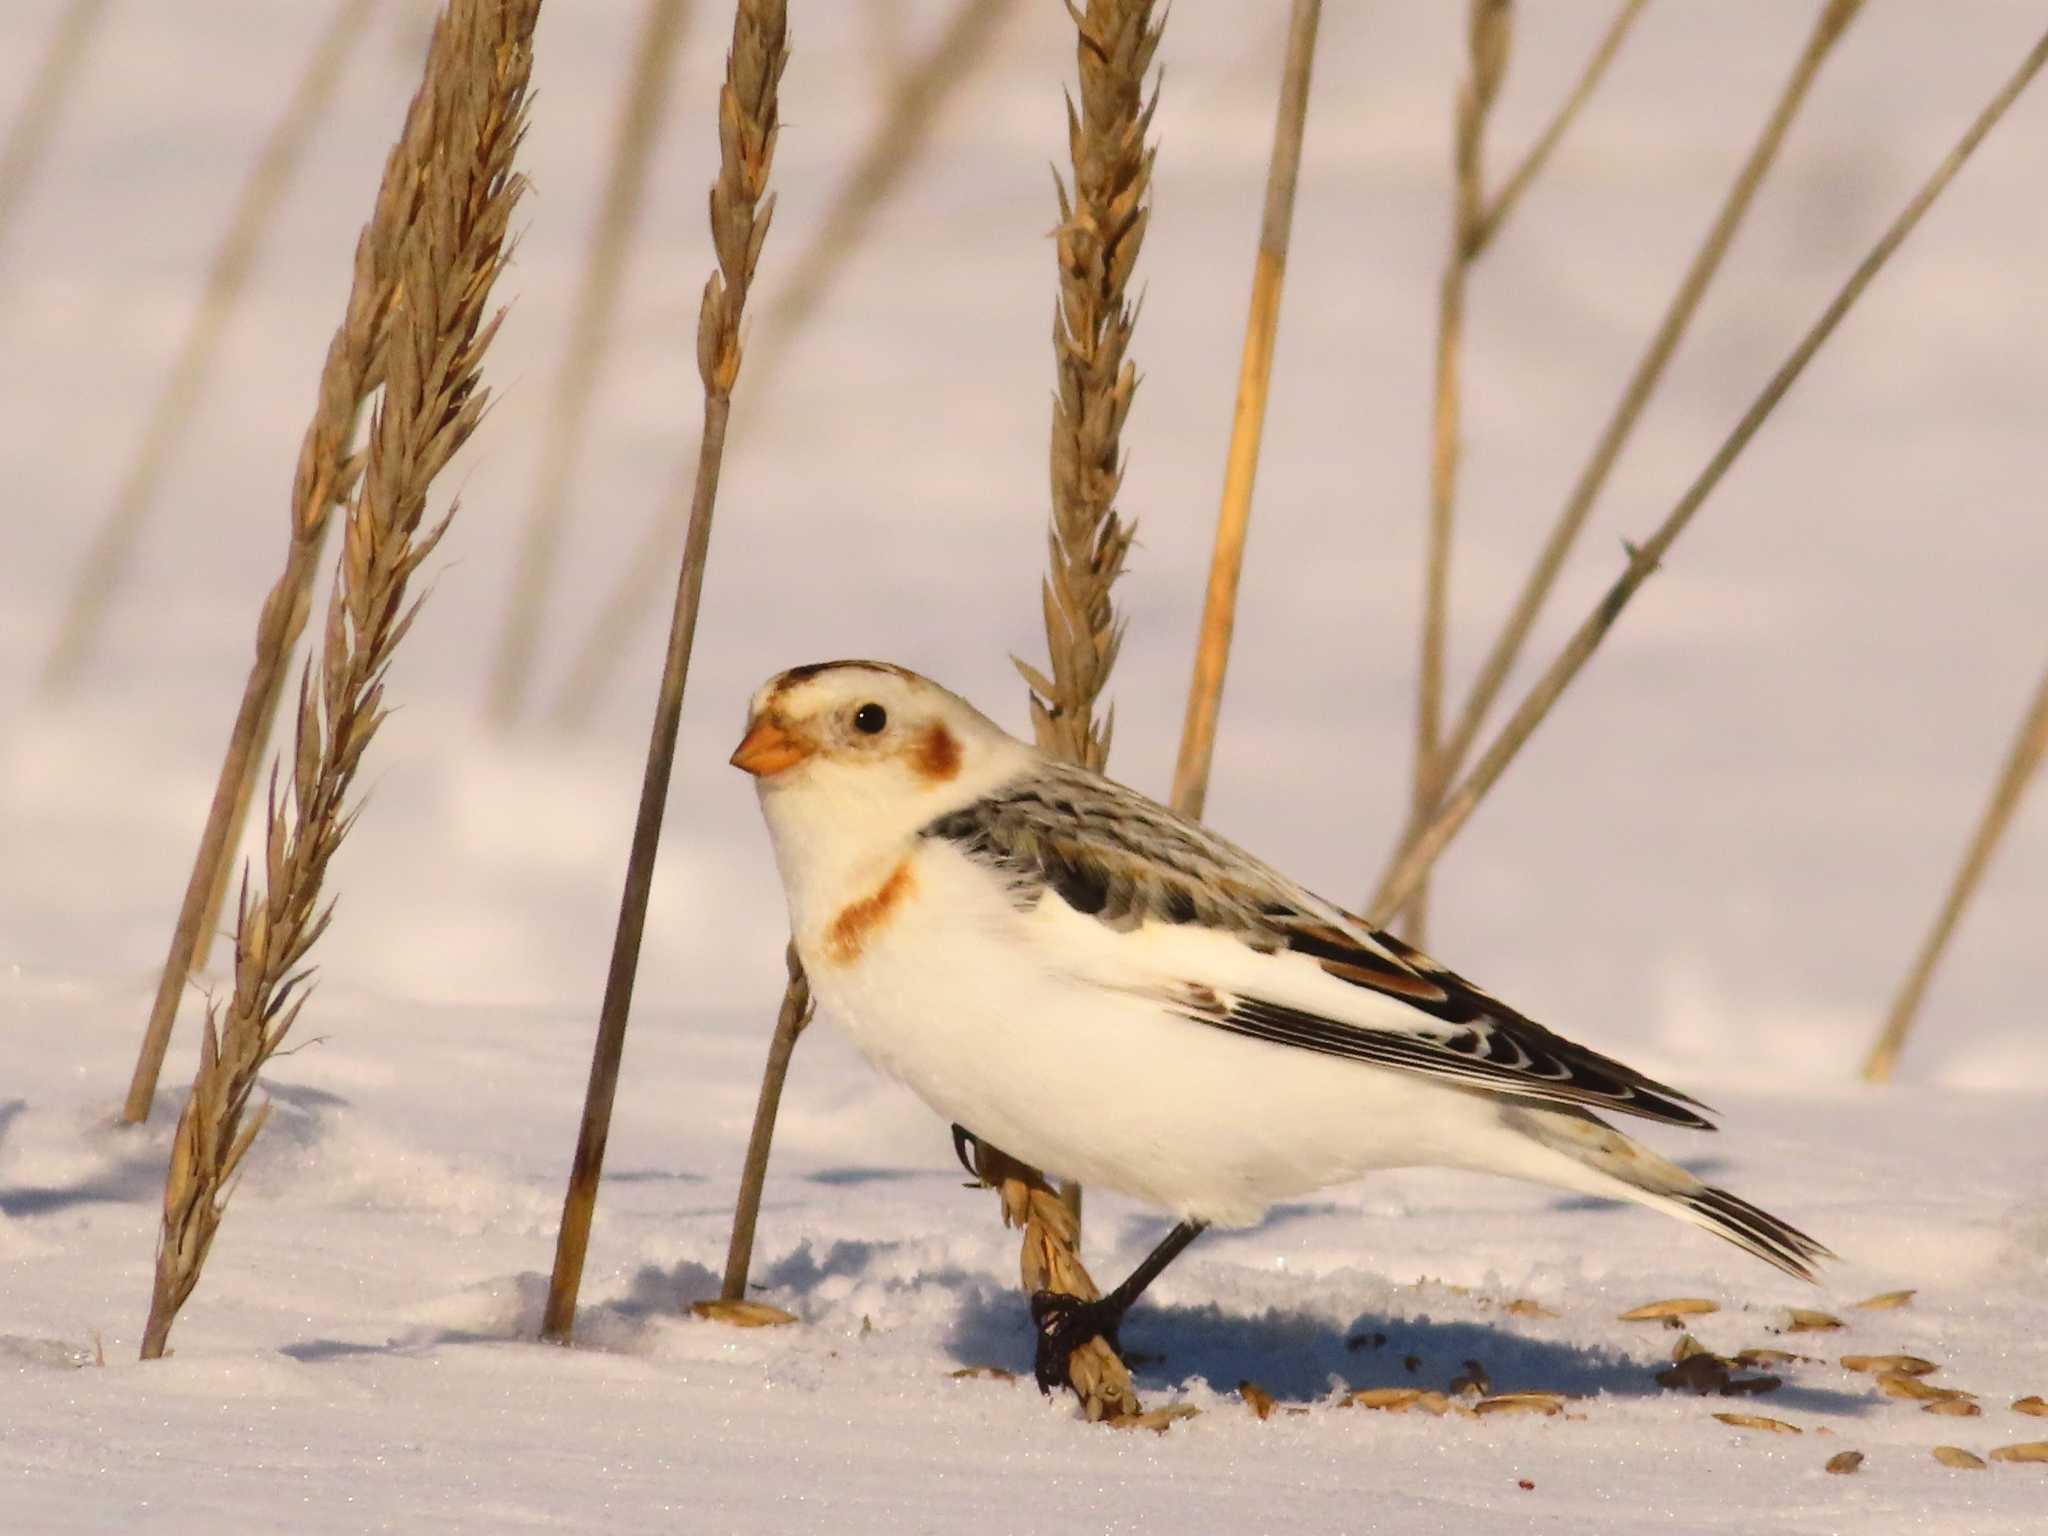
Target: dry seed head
point(1954, 1408)
point(1885, 1301)
point(2029, 1450)
point(1956, 1456)
point(1806, 1320)
point(1758, 1421)
point(1843, 1462)
point(1677, 1306)
point(2034, 1405)
point(1904, 1365)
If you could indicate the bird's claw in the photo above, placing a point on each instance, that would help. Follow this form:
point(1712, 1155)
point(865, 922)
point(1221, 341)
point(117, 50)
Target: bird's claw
point(1063, 1324)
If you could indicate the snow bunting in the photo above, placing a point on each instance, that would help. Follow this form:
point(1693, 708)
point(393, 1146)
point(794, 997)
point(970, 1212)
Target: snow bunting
point(1112, 992)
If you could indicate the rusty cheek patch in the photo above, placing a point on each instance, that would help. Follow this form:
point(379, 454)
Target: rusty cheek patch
point(937, 755)
point(861, 920)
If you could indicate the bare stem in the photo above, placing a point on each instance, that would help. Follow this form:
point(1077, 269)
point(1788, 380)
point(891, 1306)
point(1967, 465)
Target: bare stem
point(326, 476)
point(113, 546)
point(1255, 371)
point(1488, 31)
point(590, 334)
point(2021, 763)
point(55, 74)
point(1493, 673)
point(921, 92)
point(790, 1022)
point(748, 118)
point(1458, 806)
point(1539, 153)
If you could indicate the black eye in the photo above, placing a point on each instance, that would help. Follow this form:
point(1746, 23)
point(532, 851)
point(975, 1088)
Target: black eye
point(870, 718)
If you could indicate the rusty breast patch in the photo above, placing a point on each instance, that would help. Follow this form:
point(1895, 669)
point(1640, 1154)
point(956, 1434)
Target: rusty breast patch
point(861, 920)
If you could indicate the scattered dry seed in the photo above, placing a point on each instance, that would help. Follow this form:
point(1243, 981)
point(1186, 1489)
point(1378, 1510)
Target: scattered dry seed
point(1158, 1420)
point(742, 1314)
point(1520, 1402)
point(2026, 1450)
point(2034, 1405)
point(1885, 1301)
point(1757, 1357)
point(1954, 1408)
point(1898, 1384)
point(1521, 1306)
point(1392, 1399)
point(1956, 1456)
point(1686, 1347)
point(1845, 1461)
point(1806, 1320)
point(1257, 1398)
point(1758, 1421)
point(1903, 1365)
point(1677, 1306)
point(982, 1373)
point(1435, 1402)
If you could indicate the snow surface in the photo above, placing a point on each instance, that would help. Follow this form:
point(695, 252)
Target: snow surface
point(1714, 860)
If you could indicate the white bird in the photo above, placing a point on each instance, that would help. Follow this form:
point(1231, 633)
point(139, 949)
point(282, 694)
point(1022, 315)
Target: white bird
point(1108, 990)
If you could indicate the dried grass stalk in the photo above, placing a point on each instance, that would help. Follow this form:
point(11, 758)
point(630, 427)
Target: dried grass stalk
point(113, 547)
point(790, 1022)
point(1834, 18)
point(470, 115)
point(1233, 521)
point(741, 208)
point(1539, 153)
point(1489, 28)
point(919, 93)
point(2021, 763)
point(326, 476)
point(1457, 807)
point(1096, 244)
point(590, 334)
point(55, 74)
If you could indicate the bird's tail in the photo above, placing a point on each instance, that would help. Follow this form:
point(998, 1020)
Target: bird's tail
point(1602, 1161)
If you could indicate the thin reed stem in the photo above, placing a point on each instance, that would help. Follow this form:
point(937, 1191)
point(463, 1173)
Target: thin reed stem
point(2029, 746)
point(326, 476)
point(790, 1021)
point(1833, 19)
point(1255, 372)
point(469, 115)
point(583, 359)
point(1553, 133)
point(921, 91)
point(28, 136)
point(1457, 807)
point(113, 546)
point(741, 209)
point(1489, 28)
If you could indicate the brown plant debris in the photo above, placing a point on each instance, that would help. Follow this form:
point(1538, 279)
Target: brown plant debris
point(471, 112)
point(981, 1373)
point(1676, 1307)
point(1903, 1365)
point(2036, 1406)
point(1956, 1456)
point(1701, 1371)
point(1258, 1399)
point(1884, 1301)
point(1913, 1389)
point(1844, 1462)
point(1545, 1403)
point(742, 1314)
point(1755, 1358)
point(2026, 1450)
point(1758, 1421)
point(1158, 1420)
point(1521, 1306)
point(1806, 1320)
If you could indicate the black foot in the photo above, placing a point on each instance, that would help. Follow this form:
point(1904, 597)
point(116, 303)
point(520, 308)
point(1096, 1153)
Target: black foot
point(1064, 1324)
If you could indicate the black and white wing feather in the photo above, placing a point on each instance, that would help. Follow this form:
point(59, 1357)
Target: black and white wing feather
point(1064, 834)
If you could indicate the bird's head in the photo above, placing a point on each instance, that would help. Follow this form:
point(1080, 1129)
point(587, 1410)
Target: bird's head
point(867, 738)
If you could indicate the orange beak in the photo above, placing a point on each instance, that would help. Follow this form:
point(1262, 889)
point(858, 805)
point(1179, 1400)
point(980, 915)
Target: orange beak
point(769, 749)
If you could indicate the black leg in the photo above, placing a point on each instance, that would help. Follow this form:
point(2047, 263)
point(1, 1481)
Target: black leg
point(1065, 1323)
point(967, 1147)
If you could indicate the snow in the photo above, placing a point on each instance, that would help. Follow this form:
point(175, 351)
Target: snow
point(1714, 860)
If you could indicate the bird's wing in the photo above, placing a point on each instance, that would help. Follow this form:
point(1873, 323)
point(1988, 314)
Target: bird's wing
point(1259, 947)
